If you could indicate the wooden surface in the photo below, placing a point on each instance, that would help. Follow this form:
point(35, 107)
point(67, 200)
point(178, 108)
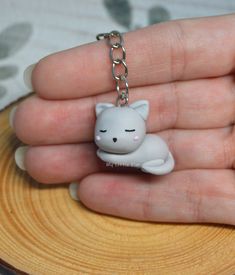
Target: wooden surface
point(43, 231)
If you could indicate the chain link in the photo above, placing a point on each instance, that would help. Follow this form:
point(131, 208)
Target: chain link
point(119, 67)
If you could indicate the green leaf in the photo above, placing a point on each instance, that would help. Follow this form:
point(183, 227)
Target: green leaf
point(3, 91)
point(120, 11)
point(158, 14)
point(13, 38)
point(8, 71)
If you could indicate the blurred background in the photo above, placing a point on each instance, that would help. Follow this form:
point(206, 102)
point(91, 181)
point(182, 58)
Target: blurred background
point(31, 29)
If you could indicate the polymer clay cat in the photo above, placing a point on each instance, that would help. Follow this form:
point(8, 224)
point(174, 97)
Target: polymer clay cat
point(120, 134)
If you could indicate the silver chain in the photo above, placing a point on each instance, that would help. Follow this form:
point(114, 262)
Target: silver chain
point(115, 41)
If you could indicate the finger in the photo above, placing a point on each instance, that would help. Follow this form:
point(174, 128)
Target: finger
point(195, 104)
point(176, 50)
point(191, 149)
point(61, 163)
point(214, 148)
point(206, 196)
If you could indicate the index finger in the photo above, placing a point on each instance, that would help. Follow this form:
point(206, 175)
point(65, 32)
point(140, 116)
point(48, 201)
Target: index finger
point(176, 50)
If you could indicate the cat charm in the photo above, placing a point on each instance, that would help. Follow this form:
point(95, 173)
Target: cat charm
point(120, 134)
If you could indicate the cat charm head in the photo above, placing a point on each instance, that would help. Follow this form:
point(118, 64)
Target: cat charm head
point(120, 130)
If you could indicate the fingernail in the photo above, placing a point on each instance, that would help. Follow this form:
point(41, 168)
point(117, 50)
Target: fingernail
point(20, 156)
point(28, 76)
point(73, 188)
point(11, 116)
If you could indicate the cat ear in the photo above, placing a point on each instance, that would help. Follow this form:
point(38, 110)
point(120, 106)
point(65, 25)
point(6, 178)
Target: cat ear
point(100, 107)
point(141, 107)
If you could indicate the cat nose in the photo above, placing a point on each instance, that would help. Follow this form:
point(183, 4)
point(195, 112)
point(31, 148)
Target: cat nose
point(114, 139)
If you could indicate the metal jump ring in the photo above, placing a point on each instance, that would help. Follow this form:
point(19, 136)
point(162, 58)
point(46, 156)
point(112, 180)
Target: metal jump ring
point(115, 34)
point(123, 54)
point(119, 62)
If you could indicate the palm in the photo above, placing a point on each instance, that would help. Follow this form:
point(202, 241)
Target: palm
point(184, 69)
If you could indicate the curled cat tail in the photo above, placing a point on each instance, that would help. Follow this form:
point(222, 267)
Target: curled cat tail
point(154, 168)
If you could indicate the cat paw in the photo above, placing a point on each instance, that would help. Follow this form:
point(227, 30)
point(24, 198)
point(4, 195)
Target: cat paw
point(159, 166)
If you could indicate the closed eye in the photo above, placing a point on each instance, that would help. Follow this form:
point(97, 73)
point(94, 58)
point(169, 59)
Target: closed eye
point(103, 131)
point(129, 130)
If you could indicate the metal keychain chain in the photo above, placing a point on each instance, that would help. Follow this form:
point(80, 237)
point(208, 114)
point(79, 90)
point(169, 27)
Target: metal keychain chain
point(115, 41)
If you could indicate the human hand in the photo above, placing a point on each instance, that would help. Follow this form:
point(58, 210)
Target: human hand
point(184, 68)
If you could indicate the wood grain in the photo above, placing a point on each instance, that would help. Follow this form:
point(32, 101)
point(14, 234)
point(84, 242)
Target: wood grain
point(43, 231)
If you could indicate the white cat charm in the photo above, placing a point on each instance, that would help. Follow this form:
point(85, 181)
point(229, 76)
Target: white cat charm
point(120, 134)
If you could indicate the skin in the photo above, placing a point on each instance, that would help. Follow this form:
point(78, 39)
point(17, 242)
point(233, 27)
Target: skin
point(185, 69)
